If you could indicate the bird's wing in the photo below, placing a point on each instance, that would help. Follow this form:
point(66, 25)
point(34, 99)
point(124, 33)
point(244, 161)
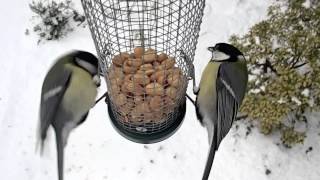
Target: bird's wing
point(51, 96)
point(227, 109)
point(231, 88)
point(235, 78)
point(226, 113)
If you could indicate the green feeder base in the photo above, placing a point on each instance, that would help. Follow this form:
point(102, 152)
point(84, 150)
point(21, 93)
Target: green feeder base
point(152, 137)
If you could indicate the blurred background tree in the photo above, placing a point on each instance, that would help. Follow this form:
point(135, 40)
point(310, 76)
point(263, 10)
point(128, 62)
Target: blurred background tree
point(284, 66)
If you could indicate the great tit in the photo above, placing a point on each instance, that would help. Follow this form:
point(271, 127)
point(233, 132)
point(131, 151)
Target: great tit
point(68, 93)
point(220, 94)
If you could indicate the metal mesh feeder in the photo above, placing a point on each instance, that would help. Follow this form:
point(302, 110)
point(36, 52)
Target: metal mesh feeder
point(146, 50)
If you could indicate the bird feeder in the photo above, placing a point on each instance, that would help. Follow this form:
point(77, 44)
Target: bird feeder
point(146, 50)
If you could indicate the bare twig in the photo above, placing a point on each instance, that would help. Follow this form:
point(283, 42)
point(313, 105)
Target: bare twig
point(299, 65)
point(267, 65)
point(241, 117)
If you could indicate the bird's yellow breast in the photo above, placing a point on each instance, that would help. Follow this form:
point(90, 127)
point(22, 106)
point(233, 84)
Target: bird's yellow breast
point(81, 94)
point(207, 91)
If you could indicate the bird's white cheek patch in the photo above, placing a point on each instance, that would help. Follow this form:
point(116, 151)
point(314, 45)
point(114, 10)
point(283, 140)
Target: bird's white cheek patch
point(219, 56)
point(89, 67)
point(52, 93)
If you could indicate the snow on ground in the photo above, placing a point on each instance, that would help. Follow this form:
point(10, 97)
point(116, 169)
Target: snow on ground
point(97, 152)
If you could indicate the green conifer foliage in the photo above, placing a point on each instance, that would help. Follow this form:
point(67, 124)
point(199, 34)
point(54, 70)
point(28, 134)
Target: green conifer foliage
point(283, 54)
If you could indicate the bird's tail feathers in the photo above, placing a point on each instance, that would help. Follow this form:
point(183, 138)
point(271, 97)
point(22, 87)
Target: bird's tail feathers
point(60, 154)
point(39, 146)
point(211, 154)
point(40, 140)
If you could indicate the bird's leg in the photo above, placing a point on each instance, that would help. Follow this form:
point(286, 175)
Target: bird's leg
point(104, 95)
point(193, 102)
point(196, 89)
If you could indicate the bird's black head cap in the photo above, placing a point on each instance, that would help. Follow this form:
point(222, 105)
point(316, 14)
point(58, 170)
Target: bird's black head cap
point(229, 50)
point(87, 61)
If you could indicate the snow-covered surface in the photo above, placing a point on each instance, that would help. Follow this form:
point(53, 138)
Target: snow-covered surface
point(97, 152)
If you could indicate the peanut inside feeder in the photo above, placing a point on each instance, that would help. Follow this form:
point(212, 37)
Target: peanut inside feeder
point(145, 85)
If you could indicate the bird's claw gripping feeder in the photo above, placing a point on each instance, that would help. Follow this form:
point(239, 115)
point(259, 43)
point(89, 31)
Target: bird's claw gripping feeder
point(146, 50)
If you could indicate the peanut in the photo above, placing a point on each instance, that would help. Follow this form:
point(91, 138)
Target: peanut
point(175, 71)
point(139, 112)
point(162, 79)
point(126, 108)
point(156, 63)
point(149, 56)
point(174, 80)
point(171, 92)
point(160, 67)
point(168, 101)
point(138, 52)
point(168, 63)
point(128, 77)
point(145, 67)
point(155, 103)
point(115, 89)
point(162, 57)
point(120, 99)
point(115, 71)
point(154, 89)
point(146, 72)
point(118, 60)
point(134, 62)
point(161, 73)
point(136, 118)
point(157, 74)
point(129, 69)
point(142, 108)
point(138, 99)
point(124, 87)
point(168, 105)
point(141, 79)
point(125, 55)
point(116, 81)
point(134, 88)
point(149, 72)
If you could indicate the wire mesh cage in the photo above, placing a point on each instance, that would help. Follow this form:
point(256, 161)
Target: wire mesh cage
point(146, 50)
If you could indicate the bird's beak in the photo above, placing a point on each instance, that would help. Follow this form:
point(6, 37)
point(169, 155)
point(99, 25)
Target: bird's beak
point(97, 80)
point(211, 48)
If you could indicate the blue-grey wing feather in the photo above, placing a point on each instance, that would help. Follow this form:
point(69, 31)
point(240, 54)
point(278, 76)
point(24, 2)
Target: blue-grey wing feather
point(236, 76)
point(49, 104)
point(227, 110)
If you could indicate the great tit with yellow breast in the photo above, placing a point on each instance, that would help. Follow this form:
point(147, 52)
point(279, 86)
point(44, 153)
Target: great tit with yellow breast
point(220, 93)
point(68, 93)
